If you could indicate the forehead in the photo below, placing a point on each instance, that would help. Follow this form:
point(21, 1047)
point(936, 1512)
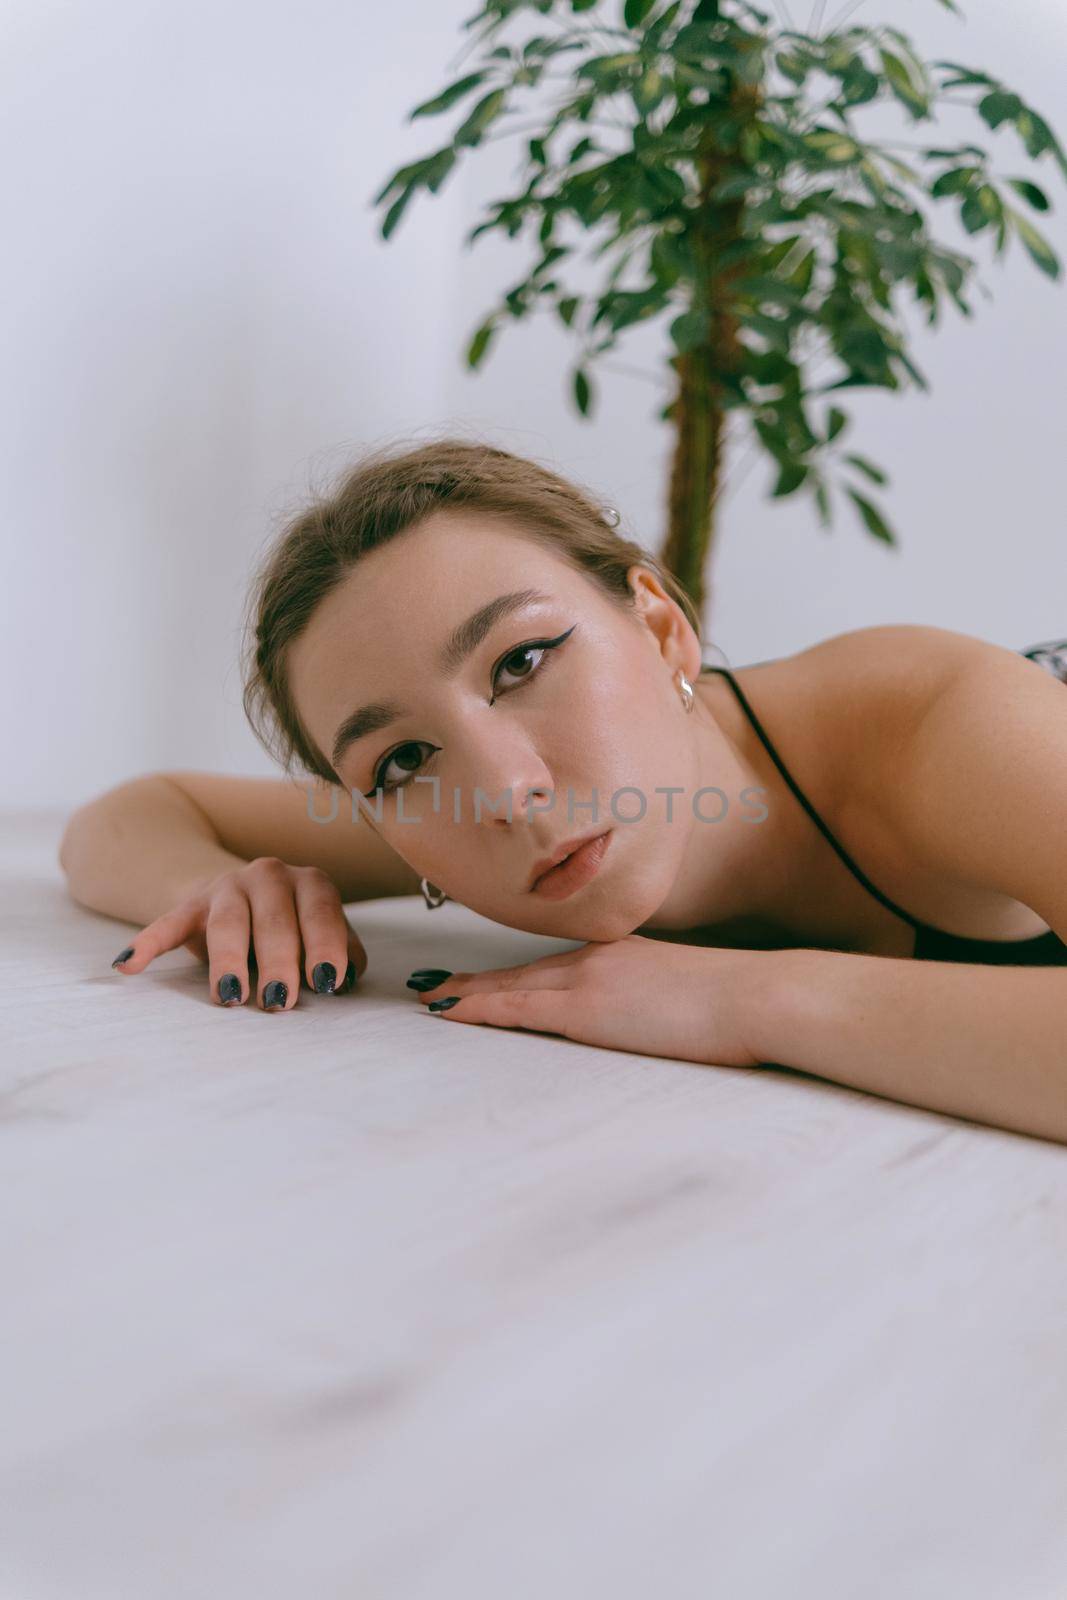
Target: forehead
point(386, 619)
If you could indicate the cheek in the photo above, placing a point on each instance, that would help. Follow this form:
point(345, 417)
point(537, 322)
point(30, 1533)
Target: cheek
point(630, 737)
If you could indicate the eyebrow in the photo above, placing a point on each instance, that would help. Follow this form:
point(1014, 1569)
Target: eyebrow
point(461, 642)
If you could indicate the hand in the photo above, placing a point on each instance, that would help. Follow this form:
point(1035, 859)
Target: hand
point(645, 995)
point(261, 924)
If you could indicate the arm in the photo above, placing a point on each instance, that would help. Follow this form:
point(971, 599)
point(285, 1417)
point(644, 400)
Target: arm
point(979, 792)
point(137, 850)
point(986, 1043)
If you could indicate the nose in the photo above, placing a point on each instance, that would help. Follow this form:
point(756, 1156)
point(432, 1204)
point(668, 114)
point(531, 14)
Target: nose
point(508, 766)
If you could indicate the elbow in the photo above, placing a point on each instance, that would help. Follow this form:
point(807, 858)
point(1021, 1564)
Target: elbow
point(70, 853)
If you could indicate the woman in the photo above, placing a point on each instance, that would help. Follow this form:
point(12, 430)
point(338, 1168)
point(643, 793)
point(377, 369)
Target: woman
point(459, 646)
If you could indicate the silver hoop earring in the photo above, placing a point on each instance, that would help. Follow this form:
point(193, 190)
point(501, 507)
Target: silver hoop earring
point(685, 689)
point(433, 896)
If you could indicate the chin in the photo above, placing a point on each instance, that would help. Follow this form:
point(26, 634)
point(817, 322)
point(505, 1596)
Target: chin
point(617, 915)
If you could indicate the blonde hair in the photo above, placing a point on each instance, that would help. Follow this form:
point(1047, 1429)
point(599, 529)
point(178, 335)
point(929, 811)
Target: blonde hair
point(384, 493)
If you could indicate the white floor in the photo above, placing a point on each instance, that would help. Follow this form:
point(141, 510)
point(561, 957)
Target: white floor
point(357, 1304)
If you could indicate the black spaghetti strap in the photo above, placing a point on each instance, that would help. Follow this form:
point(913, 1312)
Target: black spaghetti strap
point(806, 803)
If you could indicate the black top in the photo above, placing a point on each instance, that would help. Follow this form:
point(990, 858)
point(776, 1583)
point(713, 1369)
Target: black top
point(931, 944)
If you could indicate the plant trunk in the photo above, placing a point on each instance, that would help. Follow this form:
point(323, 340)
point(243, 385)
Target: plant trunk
point(697, 411)
point(695, 471)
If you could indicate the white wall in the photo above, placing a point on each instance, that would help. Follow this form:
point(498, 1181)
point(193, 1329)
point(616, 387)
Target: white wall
point(198, 316)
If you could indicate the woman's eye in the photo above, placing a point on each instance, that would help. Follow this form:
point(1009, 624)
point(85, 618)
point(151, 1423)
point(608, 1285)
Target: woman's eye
point(406, 756)
point(409, 761)
point(519, 656)
point(542, 648)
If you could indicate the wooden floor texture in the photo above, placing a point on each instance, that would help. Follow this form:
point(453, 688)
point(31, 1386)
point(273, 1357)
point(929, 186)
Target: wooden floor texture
point(354, 1303)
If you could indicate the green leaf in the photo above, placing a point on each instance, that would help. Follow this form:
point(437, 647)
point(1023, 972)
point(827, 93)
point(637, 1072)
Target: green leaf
point(790, 477)
point(480, 343)
point(689, 330)
point(901, 84)
point(861, 464)
point(950, 155)
point(793, 65)
point(854, 380)
point(990, 201)
point(396, 211)
point(567, 308)
point(836, 421)
point(402, 178)
point(1038, 246)
point(802, 273)
point(773, 436)
point(822, 500)
point(649, 90)
point(964, 74)
point(634, 12)
point(834, 146)
point(582, 391)
point(871, 516)
point(1030, 191)
point(998, 107)
point(488, 107)
point(860, 84)
point(448, 97)
point(438, 168)
point(954, 181)
point(608, 67)
point(973, 214)
point(1039, 137)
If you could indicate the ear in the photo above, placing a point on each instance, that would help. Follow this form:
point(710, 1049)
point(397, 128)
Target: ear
point(669, 629)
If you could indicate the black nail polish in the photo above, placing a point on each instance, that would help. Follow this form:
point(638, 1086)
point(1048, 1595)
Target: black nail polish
point(348, 980)
point(421, 974)
point(230, 989)
point(426, 980)
point(124, 956)
point(275, 994)
point(443, 1005)
point(324, 977)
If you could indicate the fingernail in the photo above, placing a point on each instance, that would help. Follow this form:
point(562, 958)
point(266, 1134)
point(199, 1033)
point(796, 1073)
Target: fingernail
point(443, 1005)
point(230, 989)
point(124, 956)
point(275, 994)
point(424, 978)
point(349, 979)
point(324, 977)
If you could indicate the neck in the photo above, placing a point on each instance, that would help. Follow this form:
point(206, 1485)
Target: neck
point(739, 872)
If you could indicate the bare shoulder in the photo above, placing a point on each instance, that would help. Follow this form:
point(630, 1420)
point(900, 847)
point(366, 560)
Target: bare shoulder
point(904, 703)
point(905, 655)
point(871, 689)
point(893, 672)
point(980, 773)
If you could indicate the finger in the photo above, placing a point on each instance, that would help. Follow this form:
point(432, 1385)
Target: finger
point(546, 973)
point(167, 932)
point(197, 946)
point(275, 934)
point(538, 1010)
point(228, 934)
point(334, 957)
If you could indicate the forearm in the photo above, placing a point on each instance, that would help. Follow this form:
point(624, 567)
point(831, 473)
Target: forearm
point(139, 849)
point(985, 1043)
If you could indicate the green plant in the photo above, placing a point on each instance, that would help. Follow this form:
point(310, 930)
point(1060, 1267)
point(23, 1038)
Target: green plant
point(745, 208)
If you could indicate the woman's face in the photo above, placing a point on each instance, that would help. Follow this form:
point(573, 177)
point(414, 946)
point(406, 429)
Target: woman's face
point(481, 703)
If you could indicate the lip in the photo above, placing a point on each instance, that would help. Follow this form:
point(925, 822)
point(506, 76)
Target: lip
point(572, 865)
